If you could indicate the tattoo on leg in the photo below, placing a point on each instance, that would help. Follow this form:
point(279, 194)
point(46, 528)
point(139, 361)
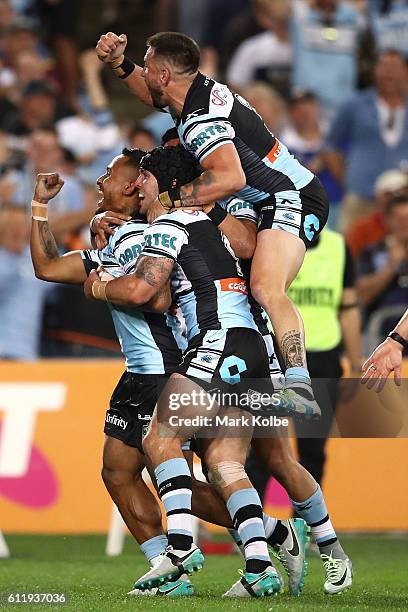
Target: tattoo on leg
point(47, 240)
point(293, 351)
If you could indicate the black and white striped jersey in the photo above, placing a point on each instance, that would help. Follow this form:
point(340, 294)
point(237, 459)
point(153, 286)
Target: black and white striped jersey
point(213, 116)
point(207, 282)
point(151, 343)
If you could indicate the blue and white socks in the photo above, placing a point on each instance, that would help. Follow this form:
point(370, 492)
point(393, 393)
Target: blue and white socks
point(298, 379)
point(154, 547)
point(245, 510)
point(175, 490)
point(313, 510)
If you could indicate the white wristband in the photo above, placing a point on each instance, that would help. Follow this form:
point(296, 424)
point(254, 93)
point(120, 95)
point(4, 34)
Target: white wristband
point(39, 211)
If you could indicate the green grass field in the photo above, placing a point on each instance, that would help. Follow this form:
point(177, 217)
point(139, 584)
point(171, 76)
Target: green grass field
point(78, 567)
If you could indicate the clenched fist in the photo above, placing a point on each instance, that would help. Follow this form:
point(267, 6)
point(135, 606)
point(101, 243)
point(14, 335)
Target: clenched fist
point(110, 47)
point(47, 186)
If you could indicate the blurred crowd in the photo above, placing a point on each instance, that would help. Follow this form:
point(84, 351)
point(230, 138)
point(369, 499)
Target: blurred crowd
point(329, 78)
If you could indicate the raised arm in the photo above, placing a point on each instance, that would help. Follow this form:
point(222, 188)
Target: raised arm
point(49, 265)
point(110, 49)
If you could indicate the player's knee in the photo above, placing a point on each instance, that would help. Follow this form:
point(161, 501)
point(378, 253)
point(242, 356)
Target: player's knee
point(114, 478)
point(266, 293)
point(280, 464)
point(226, 473)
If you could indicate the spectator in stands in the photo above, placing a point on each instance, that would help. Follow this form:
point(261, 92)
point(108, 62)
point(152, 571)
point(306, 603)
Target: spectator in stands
point(44, 154)
point(22, 294)
point(304, 135)
point(373, 227)
point(325, 42)
point(37, 110)
point(266, 56)
point(92, 135)
point(140, 137)
point(268, 103)
point(61, 20)
point(228, 24)
point(389, 22)
point(383, 266)
point(370, 135)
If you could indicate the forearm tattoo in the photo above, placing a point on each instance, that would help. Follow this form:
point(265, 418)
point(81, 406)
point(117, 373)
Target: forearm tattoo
point(154, 270)
point(195, 198)
point(292, 349)
point(47, 240)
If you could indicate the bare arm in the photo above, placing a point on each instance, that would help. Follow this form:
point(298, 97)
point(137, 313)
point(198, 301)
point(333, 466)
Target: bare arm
point(222, 176)
point(241, 235)
point(334, 162)
point(350, 322)
point(386, 358)
point(138, 289)
point(110, 50)
point(370, 286)
point(48, 264)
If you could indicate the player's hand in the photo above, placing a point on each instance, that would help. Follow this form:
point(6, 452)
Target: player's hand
point(47, 186)
point(110, 46)
point(92, 277)
point(386, 358)
point(103, 225)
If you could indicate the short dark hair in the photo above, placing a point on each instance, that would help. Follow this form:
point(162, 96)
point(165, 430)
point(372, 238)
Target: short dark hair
point(170, 134)
point(401, 198)
point(138, 128)
point(134, 156)
point(180, 49)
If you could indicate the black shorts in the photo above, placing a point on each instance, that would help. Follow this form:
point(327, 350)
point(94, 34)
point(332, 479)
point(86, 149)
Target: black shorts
point(233, 359)
point(131, 408)
point(300, 212)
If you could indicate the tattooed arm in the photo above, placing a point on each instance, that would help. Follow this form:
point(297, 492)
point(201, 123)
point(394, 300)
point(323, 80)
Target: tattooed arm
point(222, 176)
point(140, 288)
point(48, 264)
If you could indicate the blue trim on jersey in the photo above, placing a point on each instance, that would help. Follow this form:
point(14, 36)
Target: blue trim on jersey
point(252, 194)
point(287, 164)
point(234, 310)
point(174, 324)
point(142, 355)
point(188, 306)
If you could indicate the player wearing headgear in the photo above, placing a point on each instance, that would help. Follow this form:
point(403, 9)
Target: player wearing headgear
point(148, 344)
point(224, 344)
point(239, 156)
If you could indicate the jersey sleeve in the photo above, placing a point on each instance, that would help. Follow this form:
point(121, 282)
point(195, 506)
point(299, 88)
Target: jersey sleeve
point(124, 249)
point(203, 137)
point(240, 209)
point(90, 259)
point(165, 238)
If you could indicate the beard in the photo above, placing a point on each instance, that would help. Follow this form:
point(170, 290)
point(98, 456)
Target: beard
point(157, 97)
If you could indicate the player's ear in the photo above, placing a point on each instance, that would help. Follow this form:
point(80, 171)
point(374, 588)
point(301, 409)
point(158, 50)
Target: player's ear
point(165, 75)
point(129, 188)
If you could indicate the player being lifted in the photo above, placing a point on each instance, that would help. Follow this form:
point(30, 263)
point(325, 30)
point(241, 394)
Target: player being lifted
point(170, 238)
point(239, 156)
point(306, 496)
point(148, 344)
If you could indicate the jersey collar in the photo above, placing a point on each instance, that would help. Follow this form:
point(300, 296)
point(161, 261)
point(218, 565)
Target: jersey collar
point(198, 82)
